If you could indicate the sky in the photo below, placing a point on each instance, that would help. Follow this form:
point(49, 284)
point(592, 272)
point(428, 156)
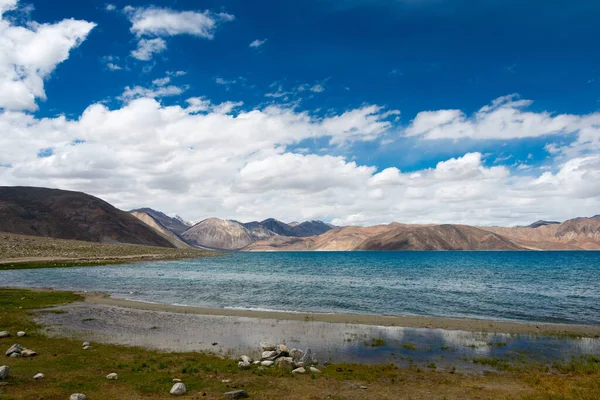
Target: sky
point(355, 112)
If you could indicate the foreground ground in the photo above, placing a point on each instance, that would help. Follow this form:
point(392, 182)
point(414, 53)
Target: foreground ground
point(145, 374)
point(20, 251)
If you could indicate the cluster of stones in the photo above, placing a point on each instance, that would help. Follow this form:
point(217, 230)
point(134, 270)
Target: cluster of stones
point(16, 350)
point(280, 356)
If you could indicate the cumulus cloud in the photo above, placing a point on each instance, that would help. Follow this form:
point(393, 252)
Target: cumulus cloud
point(154, 21)
point(201, 160)
point(505, 118)
point(29, 54)
point(147, 48)
point(157, 23)
point(257, 43)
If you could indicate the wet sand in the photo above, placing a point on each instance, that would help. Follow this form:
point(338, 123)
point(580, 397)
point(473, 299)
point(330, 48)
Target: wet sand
point(468, 325)
point(333, 338)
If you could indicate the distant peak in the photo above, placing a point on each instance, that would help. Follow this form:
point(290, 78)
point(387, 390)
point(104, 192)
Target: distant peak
point(539, 223)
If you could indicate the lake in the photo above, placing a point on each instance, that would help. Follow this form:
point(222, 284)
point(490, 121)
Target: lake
point(551, 286)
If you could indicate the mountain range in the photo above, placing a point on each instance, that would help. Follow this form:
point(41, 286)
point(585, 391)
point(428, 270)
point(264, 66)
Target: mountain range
point(74, 215)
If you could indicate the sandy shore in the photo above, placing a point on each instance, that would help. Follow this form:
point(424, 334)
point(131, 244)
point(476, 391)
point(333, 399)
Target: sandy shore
point(468, 325)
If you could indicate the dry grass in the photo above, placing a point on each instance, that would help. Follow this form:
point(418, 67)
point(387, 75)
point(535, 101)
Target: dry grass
point(145, 374)
point(20, 251)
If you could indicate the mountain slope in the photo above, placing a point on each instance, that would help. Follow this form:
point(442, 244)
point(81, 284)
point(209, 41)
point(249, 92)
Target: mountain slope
point(219, 234)
point(437, 237)
point(573, 234)
point(71, 215)
point(175, 225)
point(310, 228)
point(160, 229)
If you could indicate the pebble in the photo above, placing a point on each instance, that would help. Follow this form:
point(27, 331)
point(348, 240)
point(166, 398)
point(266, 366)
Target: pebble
point(246, 359)
point(4, 371)
point(363, 387)
point(178, 389)
point(226, 381)
point(4, 334)
point(28, 353)
point(236, 394)
point(20, 334)
point(78, 396)
point(85, 344)
point(176, 380)
point(39, 376)
point(244, 365)
point(87, 347)
point(300, 370)
point(267, 363)
point(112, 376)
point(267, 346)
point(315, 370)
point(268, 354)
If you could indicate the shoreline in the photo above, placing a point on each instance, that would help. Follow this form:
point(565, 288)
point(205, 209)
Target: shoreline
point(451, 324)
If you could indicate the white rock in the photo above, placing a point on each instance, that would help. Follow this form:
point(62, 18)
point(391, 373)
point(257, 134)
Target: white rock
point(300, 370)
point(269, 354)
point(267, 363)
point(28, 353)
point(15, 355)
point(256, 362)
point(85, 344)
point(296, 354)
point(15, 348)
point(39, 376)
point(4, 334)
point(78, 396)
point(285, 363)
point(178, 389)
point(244, 365)
point(175, 380)
point(315, 370)
point(282, 348)
point(267, 346)
point(246, 359)
point(226, 381)
point(112, 376)
point(20, 334)
point(87, 347)
point(4, 371)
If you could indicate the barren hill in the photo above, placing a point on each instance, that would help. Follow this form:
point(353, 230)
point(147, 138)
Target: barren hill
point(71, 215)
point(573, 234)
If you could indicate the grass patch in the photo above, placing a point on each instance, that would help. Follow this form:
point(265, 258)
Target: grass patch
point(409, 346)
point(148, 374)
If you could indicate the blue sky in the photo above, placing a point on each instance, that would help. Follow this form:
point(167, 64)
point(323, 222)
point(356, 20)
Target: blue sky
point(322, 59)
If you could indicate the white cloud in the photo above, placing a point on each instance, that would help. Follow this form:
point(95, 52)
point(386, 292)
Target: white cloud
point(110, 7)
point(146, 48)
point(161, 81)
point(201, 160)
point(154, 21)
point(257, 43)
point(158, 91)
point(28, 55)
point(505, 118)
point(318, 88)
point(157, 23)
point(111, 63)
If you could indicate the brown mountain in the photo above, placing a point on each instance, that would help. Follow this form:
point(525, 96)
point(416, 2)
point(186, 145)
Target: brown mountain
point(175, 225)
point(394, 236)
point(218, 233)
point(437, 237)
point(162, 230)
point(71, 215)
point(574, 234)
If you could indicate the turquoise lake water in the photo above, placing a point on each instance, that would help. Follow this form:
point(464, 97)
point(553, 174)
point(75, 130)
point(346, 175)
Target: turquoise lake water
point(559, 287)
